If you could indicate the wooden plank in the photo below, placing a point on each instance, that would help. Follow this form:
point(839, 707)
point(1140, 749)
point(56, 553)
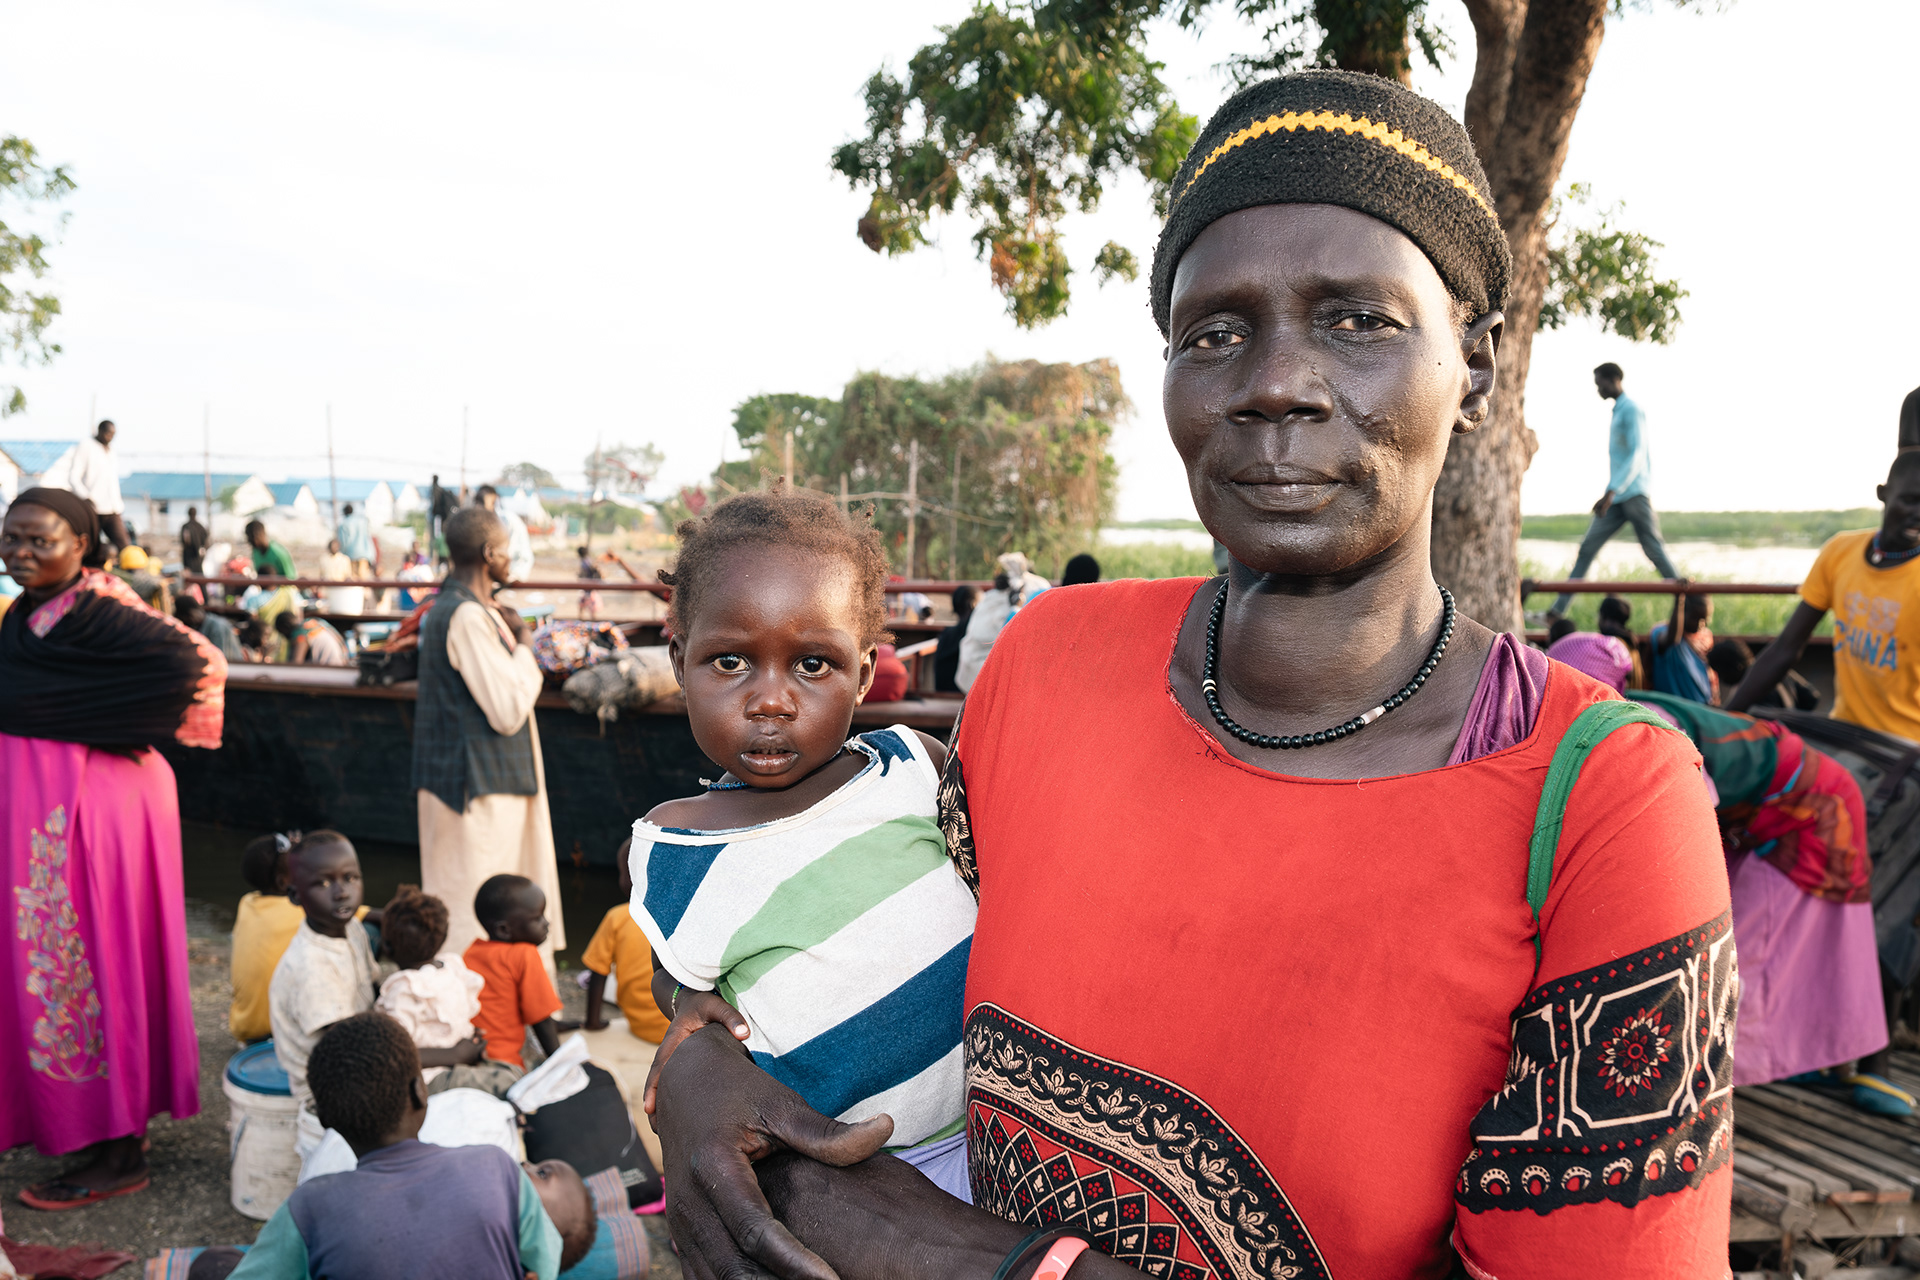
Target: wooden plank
point(1830, 1224)
point(1764, 1171)
point(1809, 1145)
point(1879, 1132)
point(1825, 1185)
point(1901, 1173)
point(1765, 1203)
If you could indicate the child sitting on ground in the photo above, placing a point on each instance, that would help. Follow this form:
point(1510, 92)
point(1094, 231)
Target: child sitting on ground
point(619, 946)
point(263, 925)
point(410, 1209)
point(327, 972)
point(811, 883)
point(435, 997)
point(518, 994)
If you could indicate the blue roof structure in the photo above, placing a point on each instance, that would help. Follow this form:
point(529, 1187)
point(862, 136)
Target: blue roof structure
point(286, 491)
point(35, 456)
point(176, 485)
point(341, 487)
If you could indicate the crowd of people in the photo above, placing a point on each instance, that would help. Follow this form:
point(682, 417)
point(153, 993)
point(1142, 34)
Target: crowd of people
point(929, 1007)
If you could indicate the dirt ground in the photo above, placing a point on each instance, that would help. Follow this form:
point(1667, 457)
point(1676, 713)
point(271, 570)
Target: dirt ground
point(188, 1201)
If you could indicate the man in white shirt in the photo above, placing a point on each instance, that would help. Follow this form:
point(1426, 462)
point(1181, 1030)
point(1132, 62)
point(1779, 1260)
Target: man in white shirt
point(519, 541)
point(88, 472)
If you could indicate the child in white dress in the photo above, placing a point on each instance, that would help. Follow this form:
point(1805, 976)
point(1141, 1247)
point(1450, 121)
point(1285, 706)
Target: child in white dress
point(435, 996)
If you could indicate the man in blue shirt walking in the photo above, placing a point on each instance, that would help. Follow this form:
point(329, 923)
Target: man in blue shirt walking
point(1625, 501)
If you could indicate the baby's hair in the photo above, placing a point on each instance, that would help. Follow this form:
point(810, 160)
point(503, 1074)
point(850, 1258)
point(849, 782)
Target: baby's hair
point(499, 895)
point(782, 516)
point(359, 1074)
point(414, 927)
point(262, 859)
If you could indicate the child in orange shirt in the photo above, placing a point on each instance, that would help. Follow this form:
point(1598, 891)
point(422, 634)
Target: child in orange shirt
point(620, 944)
point(518, 994)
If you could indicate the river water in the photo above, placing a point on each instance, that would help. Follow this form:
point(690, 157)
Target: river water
point(1713, 561)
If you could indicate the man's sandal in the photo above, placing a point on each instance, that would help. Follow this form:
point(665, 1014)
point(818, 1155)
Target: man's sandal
point(80, 1197)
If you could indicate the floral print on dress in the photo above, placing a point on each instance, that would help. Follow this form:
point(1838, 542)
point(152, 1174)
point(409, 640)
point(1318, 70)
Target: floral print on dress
point(67, 1041)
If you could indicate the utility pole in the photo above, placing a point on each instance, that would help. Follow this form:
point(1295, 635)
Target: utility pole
point(333, 485)
point(789, 459)
point(463, 453)
point(593, 495)
point(206, 459)
point(913, 498)
point(843, 493)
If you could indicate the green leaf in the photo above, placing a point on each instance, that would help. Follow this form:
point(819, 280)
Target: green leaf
point(25, 315)
point(1600, 270)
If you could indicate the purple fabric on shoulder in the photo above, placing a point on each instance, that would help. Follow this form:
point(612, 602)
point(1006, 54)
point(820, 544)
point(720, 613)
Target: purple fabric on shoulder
point(1506, 702)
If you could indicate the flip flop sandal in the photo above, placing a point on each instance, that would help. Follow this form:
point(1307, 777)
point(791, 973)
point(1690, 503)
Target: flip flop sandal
point(87, 1196)
point(1880, 1096)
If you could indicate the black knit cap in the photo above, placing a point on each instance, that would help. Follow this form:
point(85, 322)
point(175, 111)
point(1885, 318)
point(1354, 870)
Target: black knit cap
point(1359, 141)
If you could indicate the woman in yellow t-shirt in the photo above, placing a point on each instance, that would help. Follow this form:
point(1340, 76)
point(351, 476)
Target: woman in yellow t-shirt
point(1870, 580)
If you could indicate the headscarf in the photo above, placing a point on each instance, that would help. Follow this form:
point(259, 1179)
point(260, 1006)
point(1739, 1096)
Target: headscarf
point(1602, 657)
point(95, 665)
point(80, 516)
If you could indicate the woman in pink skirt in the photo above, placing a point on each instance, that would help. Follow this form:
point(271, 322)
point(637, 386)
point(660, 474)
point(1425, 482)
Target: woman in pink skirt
point(96, 1019)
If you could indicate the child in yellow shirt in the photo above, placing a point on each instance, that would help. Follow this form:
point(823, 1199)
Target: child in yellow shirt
point(262, 928)
point(620, 946)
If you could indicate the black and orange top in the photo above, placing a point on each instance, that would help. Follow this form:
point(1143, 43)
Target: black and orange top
point(1239, 1024)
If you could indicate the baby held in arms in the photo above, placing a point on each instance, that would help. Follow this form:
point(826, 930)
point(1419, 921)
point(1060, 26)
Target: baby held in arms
point(806, 900)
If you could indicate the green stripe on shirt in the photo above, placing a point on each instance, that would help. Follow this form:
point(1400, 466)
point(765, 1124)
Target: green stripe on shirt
point(828, 894)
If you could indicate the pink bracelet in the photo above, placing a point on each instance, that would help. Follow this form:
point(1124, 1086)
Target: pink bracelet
point(1060, 1258)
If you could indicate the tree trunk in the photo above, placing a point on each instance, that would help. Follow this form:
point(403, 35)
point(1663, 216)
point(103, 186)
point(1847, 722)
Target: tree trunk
point(1534, 60)
point(1370, 38)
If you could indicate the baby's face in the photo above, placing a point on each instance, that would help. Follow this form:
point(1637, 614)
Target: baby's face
point(563, 1194)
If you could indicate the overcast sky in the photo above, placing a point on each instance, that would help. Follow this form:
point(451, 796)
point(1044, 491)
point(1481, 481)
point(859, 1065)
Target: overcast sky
point(596, 221)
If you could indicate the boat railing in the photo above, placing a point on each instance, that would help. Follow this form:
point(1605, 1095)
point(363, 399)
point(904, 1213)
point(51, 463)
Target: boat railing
point(306, 583)
point(1657, 587)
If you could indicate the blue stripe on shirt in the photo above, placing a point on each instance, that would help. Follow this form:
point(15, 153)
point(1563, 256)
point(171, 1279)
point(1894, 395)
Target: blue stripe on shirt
point(674, 873)
point(888, 744)
point(888, 1043)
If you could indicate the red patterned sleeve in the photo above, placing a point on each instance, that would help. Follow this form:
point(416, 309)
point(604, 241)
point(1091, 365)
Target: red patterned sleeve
point(1608, 1151)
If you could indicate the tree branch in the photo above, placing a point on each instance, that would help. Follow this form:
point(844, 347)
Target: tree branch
point(1496, 32)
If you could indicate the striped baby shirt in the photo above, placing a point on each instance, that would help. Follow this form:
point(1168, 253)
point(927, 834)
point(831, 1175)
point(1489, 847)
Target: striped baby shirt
point(840, 933)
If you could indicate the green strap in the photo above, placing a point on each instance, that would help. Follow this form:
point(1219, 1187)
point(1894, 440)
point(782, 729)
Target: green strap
point(1582, 736)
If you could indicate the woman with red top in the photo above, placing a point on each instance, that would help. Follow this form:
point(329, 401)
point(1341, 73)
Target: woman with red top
point(96, 1015)
point(1256, 990)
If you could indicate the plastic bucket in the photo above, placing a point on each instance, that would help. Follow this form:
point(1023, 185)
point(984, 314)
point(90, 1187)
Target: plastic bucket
point(260, 1127)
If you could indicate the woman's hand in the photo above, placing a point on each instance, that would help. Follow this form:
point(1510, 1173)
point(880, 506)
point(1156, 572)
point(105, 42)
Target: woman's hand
point(717, 1114)
point(696, 1010)
point(882, 1219)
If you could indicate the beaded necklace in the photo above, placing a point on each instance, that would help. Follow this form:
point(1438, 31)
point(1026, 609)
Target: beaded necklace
point(1209, 687)
point(1888, 559)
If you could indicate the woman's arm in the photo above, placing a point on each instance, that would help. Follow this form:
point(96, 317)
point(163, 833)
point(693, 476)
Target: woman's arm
point(852, 1216)
point(719, 1113)
point(882, 1219)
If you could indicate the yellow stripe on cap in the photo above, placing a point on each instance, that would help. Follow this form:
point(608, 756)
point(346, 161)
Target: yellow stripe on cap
point(1358, 126)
